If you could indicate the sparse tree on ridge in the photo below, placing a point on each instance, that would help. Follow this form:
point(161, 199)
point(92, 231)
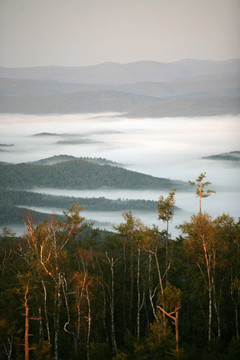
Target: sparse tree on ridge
point(201, 192)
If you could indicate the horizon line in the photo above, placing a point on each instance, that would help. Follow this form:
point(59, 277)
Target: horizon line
point(121, 63)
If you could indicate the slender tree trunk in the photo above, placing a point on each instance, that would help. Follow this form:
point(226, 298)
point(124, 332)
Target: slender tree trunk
point(159, 273)
point(200, 198)
point(131, 288)
point(175, 321)
point(112, 304)
point(176, 331)
point(45, 312)
point(89, 322)
point(138, 293)
point(26, 336)
point(8, 348)
point(209, 313)
point(208, 267)
point(161, 289)
point(151, 295)
point(216, 309)
point(57, 317)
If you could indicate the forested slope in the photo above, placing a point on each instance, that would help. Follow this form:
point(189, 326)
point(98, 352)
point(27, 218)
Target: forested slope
point(79, 174)
point(27, 198)
point(78, 294)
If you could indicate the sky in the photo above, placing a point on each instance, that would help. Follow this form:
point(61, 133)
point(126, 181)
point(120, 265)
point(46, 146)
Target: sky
point(89, 32)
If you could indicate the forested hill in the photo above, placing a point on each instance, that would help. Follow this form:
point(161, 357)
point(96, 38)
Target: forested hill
point(62, 158)
point(79, 174)
point(230, 156)
point(28, 199)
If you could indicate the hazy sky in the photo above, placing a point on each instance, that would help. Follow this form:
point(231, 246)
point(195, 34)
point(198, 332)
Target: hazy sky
point(86, 32)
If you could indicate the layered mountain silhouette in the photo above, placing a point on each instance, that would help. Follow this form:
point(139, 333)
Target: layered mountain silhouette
point(140, 89)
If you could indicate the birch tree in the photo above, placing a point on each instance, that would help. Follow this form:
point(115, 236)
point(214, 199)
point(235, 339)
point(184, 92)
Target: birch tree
point(200, 185)
point(165, 209)
point(200, 237)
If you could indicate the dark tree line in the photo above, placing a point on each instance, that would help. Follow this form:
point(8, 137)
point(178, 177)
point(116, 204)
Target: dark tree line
point(79, 174)
point(69, 291)
point(27, 198)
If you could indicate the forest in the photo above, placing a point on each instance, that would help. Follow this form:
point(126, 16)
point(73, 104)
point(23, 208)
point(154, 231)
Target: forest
point(14, 203)
point(79, 174)
point(70, 291)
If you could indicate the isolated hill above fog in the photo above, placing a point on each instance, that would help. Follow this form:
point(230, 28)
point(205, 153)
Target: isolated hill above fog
point(140, 89)
point(114, 73)
point(56, 159)
point(229, 156)
point(79, 174)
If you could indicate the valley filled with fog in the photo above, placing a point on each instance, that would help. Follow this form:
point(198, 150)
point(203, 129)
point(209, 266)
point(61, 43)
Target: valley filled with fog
point(163, 147)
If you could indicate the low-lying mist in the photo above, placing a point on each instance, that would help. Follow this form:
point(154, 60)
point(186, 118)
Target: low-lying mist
point(166, 147)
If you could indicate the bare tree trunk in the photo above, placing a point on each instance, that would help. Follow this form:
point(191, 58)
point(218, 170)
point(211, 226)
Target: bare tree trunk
point(112, 305)
point(161, 289)
point(89, 322)
point(208, 266)
point(151, 294)
point(45, 311)
point(26, 336)
point(216, 309)
point(9, 353)
point(159, 273)
point(176, 331)
point(57, 317)
point(175, 322)
point(8, 348)
point(209, 313)
point(200, 198)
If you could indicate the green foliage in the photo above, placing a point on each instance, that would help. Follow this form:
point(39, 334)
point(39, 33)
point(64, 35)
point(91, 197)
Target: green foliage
point(201, 192)
point(27, 198)
point(72, 288)
point(171, 297)
point(78, 174)
point(166, 207)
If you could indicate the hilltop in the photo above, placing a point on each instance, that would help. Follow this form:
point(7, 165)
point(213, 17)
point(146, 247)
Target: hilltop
point(229, 156)
point(79, 173)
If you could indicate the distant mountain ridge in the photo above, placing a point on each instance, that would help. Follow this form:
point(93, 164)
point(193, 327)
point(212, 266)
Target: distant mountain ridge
point(140, 89)
point(115, 73)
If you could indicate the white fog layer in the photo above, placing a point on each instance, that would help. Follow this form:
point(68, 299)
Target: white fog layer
point(166, 147)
